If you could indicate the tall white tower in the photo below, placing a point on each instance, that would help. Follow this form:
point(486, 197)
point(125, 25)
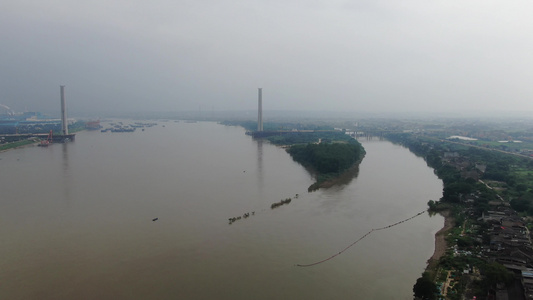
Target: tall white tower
point(260, 110)
point(64, 121)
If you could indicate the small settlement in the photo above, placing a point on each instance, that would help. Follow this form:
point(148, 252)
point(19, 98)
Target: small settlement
point(488, 232)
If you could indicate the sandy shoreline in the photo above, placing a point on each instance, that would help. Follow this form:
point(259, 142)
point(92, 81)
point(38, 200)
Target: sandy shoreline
point(440, 241)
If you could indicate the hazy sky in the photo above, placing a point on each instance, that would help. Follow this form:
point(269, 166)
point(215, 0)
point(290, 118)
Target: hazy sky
point(330, 55)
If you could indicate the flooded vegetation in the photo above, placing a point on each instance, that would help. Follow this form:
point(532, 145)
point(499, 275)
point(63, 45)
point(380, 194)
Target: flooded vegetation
point(280, 203)
point(244, 216)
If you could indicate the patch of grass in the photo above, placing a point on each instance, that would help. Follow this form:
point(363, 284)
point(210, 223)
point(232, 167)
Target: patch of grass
point(17, 144)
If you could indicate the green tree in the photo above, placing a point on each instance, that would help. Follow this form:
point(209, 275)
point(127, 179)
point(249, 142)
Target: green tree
point(425, 288)
point(497, 273)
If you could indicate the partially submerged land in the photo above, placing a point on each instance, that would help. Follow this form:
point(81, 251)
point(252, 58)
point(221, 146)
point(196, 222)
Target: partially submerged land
point(329, 153)
point(332, 156)
point(18, 144)
point(484, 249)
point(328, 160)
point(485, 246)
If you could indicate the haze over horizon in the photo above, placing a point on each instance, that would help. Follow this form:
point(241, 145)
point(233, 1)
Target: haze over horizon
point(380, 56)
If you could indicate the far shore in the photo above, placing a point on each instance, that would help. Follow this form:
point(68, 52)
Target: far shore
point(440, 241)
point(19, 147)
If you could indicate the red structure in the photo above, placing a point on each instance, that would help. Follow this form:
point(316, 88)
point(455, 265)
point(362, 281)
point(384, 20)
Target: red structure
point(45, 143)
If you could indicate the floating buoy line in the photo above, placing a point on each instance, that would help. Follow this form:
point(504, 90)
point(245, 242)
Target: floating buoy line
point(358, 240)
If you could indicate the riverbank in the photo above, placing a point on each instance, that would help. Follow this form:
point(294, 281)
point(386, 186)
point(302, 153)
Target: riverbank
point(17, 145)
point(440, 242)
point(344, 178)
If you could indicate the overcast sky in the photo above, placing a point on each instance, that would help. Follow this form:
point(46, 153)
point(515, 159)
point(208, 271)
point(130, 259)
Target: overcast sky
point(176, 55)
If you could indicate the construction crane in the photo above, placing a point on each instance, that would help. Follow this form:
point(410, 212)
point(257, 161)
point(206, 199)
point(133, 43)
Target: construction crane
point(45, 143)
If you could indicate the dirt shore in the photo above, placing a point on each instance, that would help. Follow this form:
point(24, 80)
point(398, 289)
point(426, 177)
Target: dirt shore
point(440, 241)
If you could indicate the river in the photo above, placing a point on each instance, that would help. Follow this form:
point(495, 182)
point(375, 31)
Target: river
point(76, 219)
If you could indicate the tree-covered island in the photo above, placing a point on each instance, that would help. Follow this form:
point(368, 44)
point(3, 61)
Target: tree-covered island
point(328, 160)
point(327, 152)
